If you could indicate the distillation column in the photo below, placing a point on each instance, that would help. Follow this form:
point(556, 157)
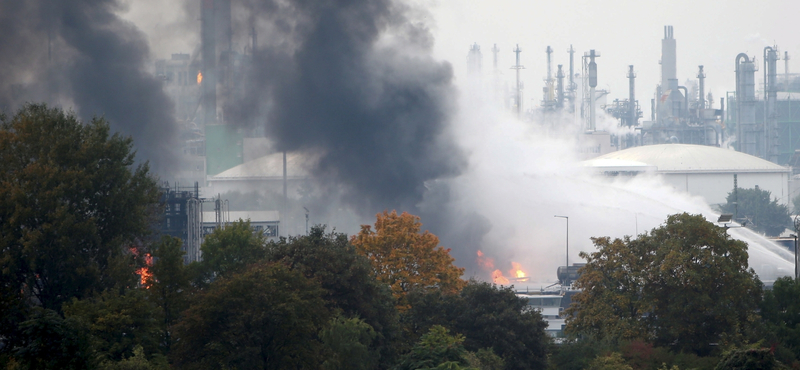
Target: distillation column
point(771, 96)
point(572, 86)
point(518, 96)
point(592, 85)
point(747, 136)
point(560, 88)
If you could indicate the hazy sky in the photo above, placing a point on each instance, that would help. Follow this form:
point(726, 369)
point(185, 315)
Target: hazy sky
point(624, 32)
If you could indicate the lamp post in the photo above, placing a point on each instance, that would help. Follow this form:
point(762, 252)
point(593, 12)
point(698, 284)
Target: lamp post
point(566, 218)
point(795, 255)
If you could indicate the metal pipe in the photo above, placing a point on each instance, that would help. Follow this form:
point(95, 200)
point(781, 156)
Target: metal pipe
point(685, 100)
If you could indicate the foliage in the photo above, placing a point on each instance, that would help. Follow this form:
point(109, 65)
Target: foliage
point(229, 250)
point(748, 359)
point(575, 354)
point(611, 361)
point(780, 310)
point(348, 341)
point(489, 317)
point(52, 342)
point(485, 359)
point(685, 285)
point(437, 349)
point(406, 259)
point(347, 278)
point(71, 203)
point(117, 323)
point(766, 214)
point(266, 317)
point(136, 362)
point(169, 286)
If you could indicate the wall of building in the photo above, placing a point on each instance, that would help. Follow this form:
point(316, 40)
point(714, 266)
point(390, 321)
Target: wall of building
point(714, 187)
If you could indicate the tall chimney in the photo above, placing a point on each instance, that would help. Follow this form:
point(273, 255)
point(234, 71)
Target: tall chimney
point(668, 59)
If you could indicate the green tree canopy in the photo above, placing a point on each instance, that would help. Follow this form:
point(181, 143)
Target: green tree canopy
point(781, 312)
point(685, 285)
point(71, 203)
point(267, 317)
point(118, 322)
point(764, 212)
point(489, 317)
point(229, 250)
point(437, 349)
point(348, 342)
point(347, 278)
point(169, 286)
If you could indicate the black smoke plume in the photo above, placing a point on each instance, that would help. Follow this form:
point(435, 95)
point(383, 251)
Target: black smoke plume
point(79, 54)
point(354, 82)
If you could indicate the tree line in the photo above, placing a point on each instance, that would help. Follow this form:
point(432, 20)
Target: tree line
point(86, 283)
point(76, 221)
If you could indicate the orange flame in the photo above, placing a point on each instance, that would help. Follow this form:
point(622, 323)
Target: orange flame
point(516, 270)
point(145, 276)
point(498, 278)
point(484, 262)
point(199, 77)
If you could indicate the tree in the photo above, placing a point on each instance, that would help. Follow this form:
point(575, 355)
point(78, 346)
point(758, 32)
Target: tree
point(71, 204)
point(489, 317)
point(406, 259)
point(169, 286)
point(51, 342)
point(436, 349)
point(266, 317)
point(686, 285)
point(347, 279)
point(117, 323)
point(348, 342)
point(230, 249)
point(612, 361)
point(780, 310)
point(749, 359)
point(765, 213)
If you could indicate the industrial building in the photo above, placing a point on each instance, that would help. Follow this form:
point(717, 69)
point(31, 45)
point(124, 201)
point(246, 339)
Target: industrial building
point(699, 170)
point(267, 222)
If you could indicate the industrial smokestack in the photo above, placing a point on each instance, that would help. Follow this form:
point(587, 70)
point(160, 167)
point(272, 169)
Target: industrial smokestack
point(592, 84)
point(633, 114)
point(668, 59)
point(771, 96)
point(701, 104)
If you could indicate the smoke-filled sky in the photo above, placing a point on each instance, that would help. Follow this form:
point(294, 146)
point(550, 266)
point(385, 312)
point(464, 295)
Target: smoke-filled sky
point(377, 89)
point(81, 55)
point(625, 32)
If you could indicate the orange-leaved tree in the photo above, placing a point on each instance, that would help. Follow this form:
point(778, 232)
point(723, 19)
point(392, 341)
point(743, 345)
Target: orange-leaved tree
point(406, 259)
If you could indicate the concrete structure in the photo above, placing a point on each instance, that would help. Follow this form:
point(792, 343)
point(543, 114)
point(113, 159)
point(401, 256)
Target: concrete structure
point(550, 306)
point(699, 170)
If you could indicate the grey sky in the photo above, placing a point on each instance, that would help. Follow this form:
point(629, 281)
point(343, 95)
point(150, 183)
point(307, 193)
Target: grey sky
point(709, 33)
